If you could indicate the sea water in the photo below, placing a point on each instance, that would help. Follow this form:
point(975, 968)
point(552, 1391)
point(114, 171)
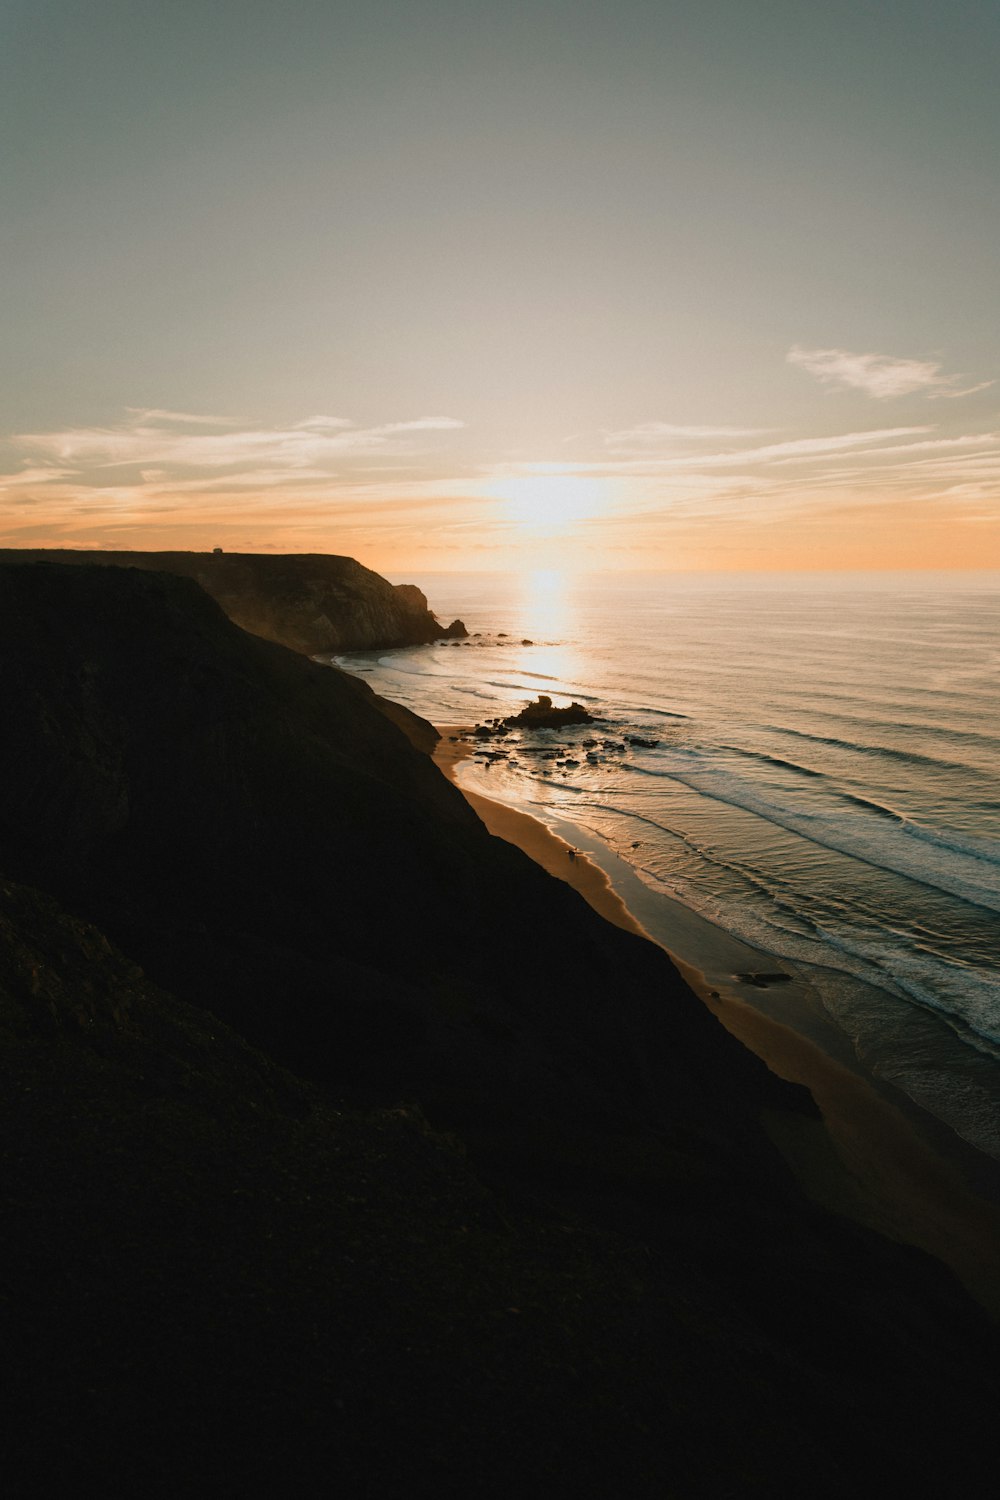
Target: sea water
point(824, 782)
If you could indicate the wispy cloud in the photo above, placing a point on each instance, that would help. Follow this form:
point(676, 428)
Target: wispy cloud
point(794, 450)
point(410, 486)
point(881, 376)
point(156, 440)
point(653, 433)
point(797, 449)
point(34, 474)
point(157, 414)
point(321, 424)
point(774, 483)
point(159, 474)
point(970, 390)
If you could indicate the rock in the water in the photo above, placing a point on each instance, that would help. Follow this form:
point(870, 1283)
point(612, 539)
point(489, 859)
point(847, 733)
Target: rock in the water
point(543, 715)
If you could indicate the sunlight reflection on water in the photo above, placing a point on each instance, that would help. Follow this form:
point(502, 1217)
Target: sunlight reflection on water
point(547, 604)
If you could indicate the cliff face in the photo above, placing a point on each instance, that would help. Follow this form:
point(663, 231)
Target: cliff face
point(311, 602)
point(219, 860)
point(265, 842)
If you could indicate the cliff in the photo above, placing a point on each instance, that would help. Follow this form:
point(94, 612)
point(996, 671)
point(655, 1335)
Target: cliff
point(343, 1146)
point(311, 602)
point(259, 835)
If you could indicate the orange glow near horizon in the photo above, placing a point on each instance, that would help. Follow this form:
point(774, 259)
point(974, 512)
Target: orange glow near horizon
point(873, 499)
point(897, 536)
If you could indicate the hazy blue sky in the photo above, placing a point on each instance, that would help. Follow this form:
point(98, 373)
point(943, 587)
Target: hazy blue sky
point(677, 283)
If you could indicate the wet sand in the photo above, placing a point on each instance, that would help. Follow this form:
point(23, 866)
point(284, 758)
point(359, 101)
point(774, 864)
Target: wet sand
point(873, 1156)
point(545, 847)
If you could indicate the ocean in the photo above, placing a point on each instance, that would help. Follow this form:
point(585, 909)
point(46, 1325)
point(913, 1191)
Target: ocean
point(823, 782)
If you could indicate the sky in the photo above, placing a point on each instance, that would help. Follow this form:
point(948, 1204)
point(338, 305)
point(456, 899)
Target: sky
point(678, 284)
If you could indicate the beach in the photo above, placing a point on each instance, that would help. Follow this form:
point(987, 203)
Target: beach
point(871, 1156)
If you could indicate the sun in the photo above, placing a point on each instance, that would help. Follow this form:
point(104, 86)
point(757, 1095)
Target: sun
point(545, 583)
point(546, 503)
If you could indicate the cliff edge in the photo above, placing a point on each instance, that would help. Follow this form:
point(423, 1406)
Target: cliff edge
point(310, 602)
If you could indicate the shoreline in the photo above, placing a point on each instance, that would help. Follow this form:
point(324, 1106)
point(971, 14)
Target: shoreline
point(873, 1156)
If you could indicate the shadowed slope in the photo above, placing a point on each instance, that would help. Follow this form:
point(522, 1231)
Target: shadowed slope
point(264, 844)
point(217, 1281)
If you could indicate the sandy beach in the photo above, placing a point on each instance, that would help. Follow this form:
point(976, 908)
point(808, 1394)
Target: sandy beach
point(872, 1156)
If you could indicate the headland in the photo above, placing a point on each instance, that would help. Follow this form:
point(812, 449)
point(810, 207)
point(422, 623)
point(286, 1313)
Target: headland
point(311, 602)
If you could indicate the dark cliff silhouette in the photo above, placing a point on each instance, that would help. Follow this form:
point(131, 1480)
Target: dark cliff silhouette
point(345, 1146)
point(313, 602)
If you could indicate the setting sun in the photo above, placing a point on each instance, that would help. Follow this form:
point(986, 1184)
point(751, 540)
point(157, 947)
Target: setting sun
point(545, 503)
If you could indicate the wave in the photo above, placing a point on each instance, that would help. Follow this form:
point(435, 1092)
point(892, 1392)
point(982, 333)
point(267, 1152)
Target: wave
point(775, 891)
point(563, 692)
point(964, 879)
point(659, 713)
point(963, 995)
point(901, 701)
point(821, 825)
point(775, 760)
point(870, 806)
point(886, 752)
point(934, 983)
point(985, 849)
point(894, 727)
point(975, 848)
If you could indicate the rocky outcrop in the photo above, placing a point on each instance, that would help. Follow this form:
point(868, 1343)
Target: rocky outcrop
point(542, 715)
point(311, 602)
point(510, 1221)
